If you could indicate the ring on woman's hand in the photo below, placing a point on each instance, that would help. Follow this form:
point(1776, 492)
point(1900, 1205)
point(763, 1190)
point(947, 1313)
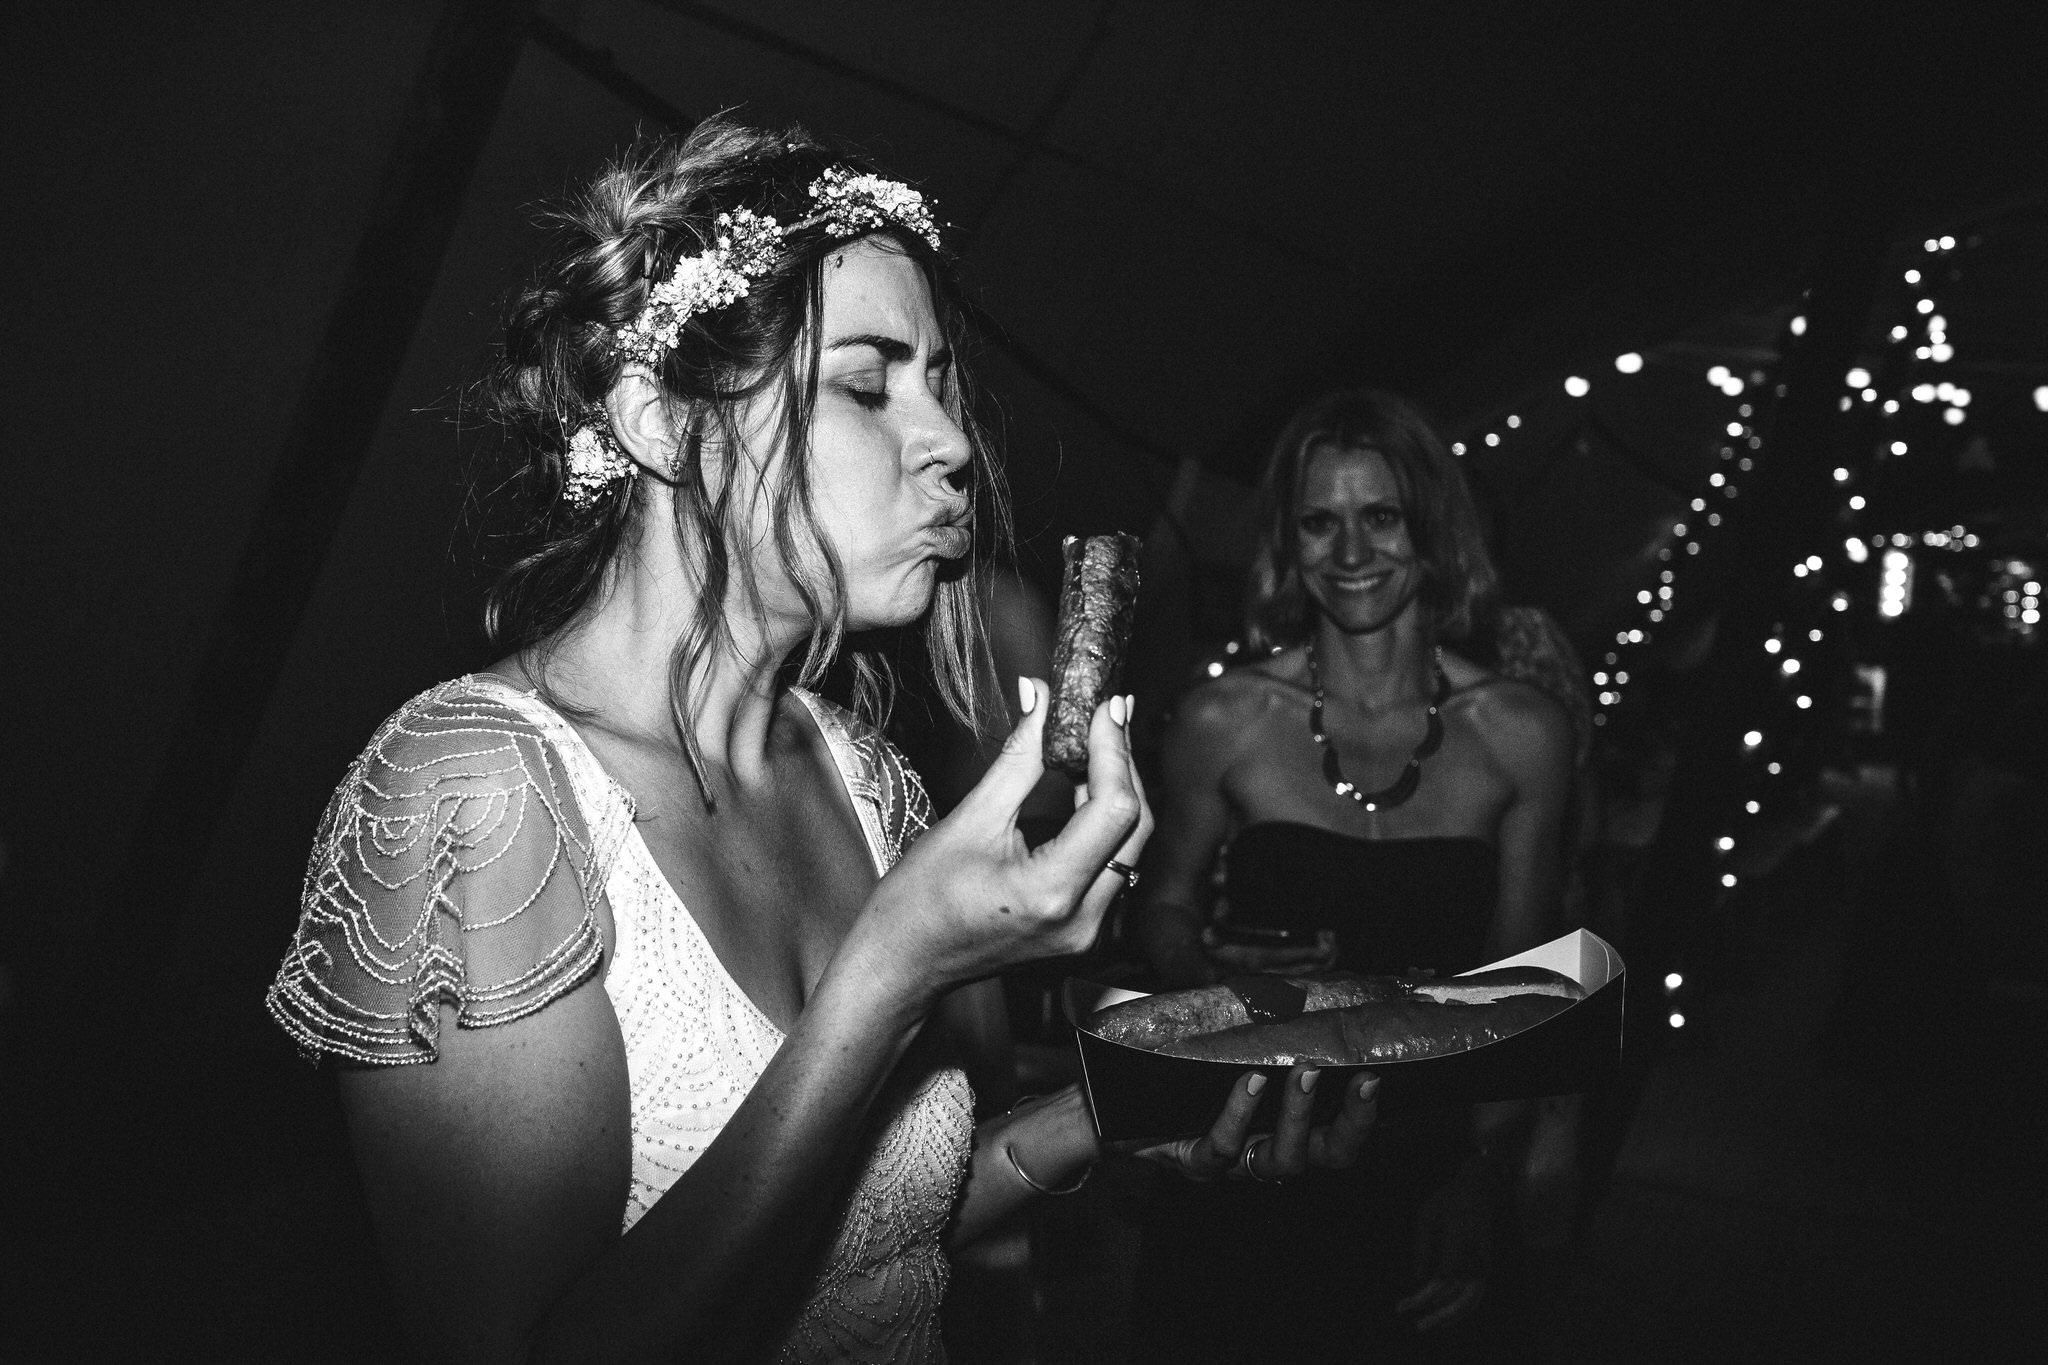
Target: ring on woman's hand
point(1250, 1171)
point(1124, 870)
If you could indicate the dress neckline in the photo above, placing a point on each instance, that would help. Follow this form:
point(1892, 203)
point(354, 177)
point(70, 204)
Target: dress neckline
point(837, 743)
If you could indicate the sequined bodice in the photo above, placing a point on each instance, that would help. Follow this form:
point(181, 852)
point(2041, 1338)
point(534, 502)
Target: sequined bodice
point(695, 1044)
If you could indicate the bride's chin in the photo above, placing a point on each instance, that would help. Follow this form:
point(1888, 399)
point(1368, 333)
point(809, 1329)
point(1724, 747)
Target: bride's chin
point(903, 596)
point(903, 609)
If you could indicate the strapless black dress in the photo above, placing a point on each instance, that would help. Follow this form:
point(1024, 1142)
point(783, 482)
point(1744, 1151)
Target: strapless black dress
point(1311, 1269)
point(1397, 905)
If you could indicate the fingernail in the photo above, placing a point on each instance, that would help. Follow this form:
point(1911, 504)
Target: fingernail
point(1026, 693)
point(1117, 711)
point(1254, 1083)
point(1130, 707)
point(1308, 1079)
point(1368, 1086)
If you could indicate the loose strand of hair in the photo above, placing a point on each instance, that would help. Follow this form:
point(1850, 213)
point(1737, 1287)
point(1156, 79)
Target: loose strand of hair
point(700, 516)
point(956, 636)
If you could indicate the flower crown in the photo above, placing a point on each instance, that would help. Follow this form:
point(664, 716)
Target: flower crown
point(844, 204)
point(744, 247)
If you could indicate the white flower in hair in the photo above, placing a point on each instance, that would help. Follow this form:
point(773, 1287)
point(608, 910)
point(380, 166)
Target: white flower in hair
point(594, 461)
point(745, 247)
point(850, 204)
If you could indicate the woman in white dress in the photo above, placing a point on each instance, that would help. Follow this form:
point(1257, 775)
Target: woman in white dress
point(667, 930)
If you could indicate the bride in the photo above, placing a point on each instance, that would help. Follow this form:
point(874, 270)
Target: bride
point(636, 955)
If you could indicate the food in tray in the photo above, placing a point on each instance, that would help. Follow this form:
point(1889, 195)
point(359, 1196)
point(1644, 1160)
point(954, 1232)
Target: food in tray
point(1156, 1020)
point(1338, 1019)
point(1385, 1031)
point(1098, 602)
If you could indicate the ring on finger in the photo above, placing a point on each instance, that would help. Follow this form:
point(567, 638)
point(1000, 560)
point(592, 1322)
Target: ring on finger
point(1124, 870)
point(1248, 1166)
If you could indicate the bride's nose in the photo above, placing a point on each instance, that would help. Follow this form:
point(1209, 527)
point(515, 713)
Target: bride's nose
point(942, 447)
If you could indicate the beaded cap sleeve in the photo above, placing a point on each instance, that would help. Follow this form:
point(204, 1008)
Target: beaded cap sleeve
point(453, 866)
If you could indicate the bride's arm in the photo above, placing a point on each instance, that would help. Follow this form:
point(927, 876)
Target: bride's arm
point(497, 1175)
point(497, 1178)
point(1044, 1145)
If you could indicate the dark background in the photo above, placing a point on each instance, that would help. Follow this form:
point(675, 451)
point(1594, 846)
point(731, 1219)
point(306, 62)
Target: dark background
point(230, 545)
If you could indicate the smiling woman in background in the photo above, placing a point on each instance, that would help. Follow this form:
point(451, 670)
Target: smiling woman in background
point(1380, 804)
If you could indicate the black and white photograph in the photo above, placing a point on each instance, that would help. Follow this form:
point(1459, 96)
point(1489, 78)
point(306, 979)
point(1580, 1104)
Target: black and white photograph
point(1069, 682)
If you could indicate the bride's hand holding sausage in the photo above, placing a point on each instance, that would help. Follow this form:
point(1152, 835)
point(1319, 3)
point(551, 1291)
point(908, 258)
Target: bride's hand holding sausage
point(971, 898)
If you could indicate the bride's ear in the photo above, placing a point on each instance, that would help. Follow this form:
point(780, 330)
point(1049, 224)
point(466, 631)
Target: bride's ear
point(640, 419)
point(645, 425)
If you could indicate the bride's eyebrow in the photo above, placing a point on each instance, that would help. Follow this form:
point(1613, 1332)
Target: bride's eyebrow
point(894, 350)
point(891, 349)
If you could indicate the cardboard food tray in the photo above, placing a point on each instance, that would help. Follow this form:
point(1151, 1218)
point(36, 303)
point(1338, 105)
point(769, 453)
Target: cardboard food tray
point(1138, 1094)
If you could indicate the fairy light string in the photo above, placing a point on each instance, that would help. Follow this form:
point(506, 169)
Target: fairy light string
point(1906, 399)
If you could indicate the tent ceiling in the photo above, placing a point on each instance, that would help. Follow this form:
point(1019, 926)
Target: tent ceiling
point(1197, 211)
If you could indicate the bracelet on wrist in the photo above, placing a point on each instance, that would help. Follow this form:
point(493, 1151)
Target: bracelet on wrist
point(1025, 1176)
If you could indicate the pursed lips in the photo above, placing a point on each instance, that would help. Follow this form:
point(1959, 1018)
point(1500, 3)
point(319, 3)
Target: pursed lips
point(949, 540)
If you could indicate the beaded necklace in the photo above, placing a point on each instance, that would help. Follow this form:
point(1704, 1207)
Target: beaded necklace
point(1402, 787)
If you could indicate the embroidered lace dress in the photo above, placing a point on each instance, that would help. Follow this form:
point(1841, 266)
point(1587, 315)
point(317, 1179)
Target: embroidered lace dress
point(461, 861)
